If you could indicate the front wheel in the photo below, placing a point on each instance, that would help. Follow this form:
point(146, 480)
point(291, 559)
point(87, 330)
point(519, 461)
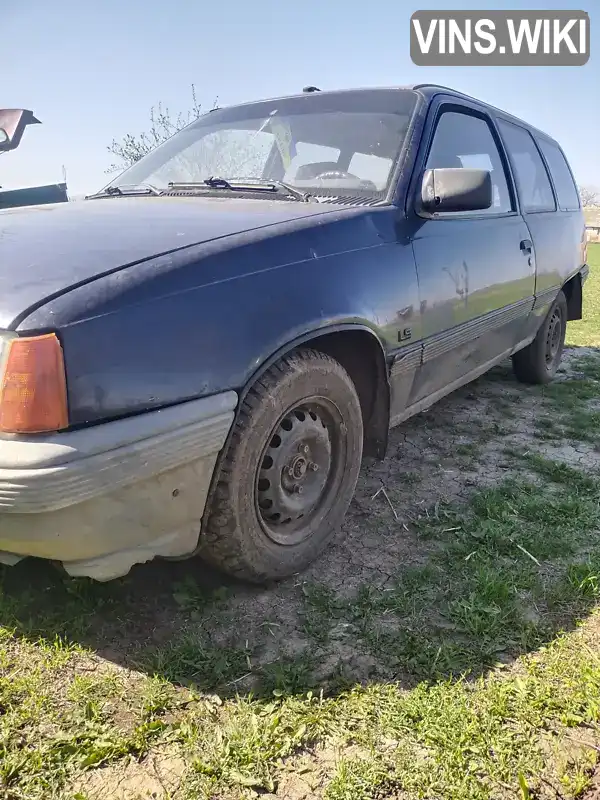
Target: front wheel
point(290, 472)
point(539, 361)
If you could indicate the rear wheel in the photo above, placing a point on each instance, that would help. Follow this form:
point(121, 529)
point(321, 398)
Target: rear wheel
point(539, 362)
point(290, 472)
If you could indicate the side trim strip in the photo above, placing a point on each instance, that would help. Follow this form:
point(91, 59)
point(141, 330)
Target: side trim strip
point(406, 359)
point(441, 343)
point(546, 297)
point(427, 402)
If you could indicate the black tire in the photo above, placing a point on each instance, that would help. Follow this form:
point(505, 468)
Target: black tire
point(538, 362)
point(299, 426)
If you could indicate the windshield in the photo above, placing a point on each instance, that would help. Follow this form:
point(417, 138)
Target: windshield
point(335, 143)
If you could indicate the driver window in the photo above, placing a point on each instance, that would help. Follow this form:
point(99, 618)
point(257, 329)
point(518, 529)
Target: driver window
point(464, 141)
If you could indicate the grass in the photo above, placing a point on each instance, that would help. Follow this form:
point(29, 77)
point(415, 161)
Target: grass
point(470, 673)
point(569, 417)
point(509, 571)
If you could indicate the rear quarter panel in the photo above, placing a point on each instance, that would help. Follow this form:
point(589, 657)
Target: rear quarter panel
point(557, 238)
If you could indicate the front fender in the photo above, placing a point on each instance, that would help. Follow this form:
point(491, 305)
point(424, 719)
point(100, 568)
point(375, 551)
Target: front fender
point(163, 347)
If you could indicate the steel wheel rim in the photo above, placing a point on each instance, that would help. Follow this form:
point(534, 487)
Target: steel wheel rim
point(553, 336)
point(299, 470)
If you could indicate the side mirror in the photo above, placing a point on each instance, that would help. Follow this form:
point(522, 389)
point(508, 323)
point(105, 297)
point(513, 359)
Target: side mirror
point(13, 122)
point(456, 189)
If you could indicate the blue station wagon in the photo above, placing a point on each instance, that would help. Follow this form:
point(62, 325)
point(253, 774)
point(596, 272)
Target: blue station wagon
point(195, 359)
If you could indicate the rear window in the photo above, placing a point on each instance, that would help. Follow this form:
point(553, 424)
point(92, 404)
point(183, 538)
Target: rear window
point(568, 196)
point(307, 153)
point(535, 189)
point(371, 168)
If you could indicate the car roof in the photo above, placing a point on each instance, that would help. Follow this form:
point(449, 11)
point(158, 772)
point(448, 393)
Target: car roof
point(431, 89)
point(428, 91)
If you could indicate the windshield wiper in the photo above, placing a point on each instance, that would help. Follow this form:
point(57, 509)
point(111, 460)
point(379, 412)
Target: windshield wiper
point(244, 184)
point(126, 190)
point(291, 190)
point(216, 183)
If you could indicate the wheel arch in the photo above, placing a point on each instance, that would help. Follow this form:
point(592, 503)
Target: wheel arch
point(351, 344)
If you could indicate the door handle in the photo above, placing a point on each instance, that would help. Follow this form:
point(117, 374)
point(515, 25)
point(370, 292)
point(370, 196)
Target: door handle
point(526, 246)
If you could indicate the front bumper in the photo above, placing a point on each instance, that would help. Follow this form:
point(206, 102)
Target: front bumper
point(106, 497)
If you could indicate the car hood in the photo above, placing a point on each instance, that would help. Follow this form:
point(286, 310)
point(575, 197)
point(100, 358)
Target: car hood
point(46, 250)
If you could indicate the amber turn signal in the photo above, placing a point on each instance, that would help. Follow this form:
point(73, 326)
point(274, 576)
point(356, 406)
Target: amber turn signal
point(33, 390)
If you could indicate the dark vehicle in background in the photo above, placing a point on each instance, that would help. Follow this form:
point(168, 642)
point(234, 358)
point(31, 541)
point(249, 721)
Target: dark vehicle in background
point(195, 359)
point(13, 122)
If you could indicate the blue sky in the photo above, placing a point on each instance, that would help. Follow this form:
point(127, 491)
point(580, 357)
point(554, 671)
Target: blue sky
point(91, 72)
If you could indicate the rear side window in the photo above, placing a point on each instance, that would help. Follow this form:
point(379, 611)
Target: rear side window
point(568, 196)
point(532, 178)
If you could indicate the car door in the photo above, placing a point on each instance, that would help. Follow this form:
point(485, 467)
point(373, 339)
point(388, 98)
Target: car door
point(553, 218)
point(476, 270)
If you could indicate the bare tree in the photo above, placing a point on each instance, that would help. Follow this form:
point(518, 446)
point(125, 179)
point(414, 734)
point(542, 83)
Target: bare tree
point(589, 196)
point(217, 153)
point(163, 125)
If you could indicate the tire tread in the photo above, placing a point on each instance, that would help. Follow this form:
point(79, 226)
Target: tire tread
point(218, 544)
point(529, 364)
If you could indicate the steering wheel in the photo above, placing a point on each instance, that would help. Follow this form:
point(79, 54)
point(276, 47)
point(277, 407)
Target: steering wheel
point(340, 174)
point(337, 174)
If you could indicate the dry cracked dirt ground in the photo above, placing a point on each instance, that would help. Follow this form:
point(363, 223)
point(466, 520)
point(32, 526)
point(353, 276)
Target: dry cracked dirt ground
point(387, 603)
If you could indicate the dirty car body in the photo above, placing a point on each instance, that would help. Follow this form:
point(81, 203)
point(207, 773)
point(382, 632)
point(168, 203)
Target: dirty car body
point(401, 241)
